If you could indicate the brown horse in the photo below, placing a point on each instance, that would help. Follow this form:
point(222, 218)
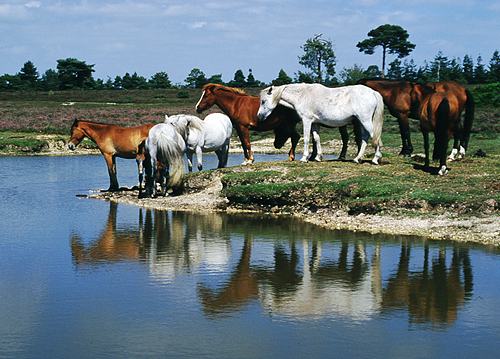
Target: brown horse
point(113, 141)
point(242, 110)
point(465, 102)
point(403, 103)
point(438, 112)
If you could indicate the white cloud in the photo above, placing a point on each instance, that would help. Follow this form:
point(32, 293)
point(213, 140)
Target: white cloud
point(12, 12)
point(198, 25)
point(33, 4)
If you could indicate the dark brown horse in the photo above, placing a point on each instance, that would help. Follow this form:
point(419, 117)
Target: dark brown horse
point(242, 110)
point(113, 141)
point(403, 103)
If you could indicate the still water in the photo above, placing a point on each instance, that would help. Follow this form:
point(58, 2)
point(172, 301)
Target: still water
point(84, 278)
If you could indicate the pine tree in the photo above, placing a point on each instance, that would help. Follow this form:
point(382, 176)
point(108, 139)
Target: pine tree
point(238, 80)
point(282, 79)
point(251, 80)
point(480, 74)
point(395, 70)
point(494, 68)
point(468, 69)
point(29, 75)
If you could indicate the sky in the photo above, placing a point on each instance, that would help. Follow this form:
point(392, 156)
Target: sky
point(221, 36)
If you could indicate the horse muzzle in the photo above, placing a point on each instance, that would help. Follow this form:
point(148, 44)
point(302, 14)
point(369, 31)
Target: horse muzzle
point(261, 116)
point(199, 110)
point(71, 146)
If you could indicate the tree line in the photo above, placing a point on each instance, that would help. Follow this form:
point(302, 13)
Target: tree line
point(318, 59)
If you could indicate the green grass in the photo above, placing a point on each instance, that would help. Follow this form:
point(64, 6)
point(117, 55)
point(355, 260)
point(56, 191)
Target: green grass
point(398, 185)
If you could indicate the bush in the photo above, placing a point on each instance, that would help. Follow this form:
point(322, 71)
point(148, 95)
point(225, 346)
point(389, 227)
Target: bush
point(487, 95)
point(182, 94)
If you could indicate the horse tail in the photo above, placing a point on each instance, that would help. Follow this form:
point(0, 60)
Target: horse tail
point(378, 120)
point(468, 118)
point(442, 124)
point(172, 152)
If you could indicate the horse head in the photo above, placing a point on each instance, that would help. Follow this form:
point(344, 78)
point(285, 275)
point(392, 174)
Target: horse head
point(207, 98)
point(77, 134)
point(269, 99)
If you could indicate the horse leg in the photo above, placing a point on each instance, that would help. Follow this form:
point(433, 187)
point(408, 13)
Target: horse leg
point(345, 141)
point(443, 170)
point(456, 145)
point(404, 129)
point(224, 155)
point(244, 135)
point(151, 173)
point(317, 141)
point(426, 147)
point(295, 137)
point(140, 169)
point(189, 155)
point(307, 123)
point(365, 135)
point(199, 157)
point(111, 163)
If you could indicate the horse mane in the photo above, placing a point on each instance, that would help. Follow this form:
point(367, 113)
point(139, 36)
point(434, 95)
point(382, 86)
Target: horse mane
point(195, 123)
point(234, 90)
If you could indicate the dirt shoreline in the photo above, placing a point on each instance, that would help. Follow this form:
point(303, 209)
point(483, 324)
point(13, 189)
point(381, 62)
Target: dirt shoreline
point(483, 229)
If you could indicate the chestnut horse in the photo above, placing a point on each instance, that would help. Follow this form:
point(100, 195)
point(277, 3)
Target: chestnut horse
point(403, 103)
point(113, 141)
point(437, 112)
point(242, 110)
point(465, 102)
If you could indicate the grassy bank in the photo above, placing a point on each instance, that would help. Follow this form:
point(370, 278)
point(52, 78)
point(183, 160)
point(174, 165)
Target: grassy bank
point(398, 185)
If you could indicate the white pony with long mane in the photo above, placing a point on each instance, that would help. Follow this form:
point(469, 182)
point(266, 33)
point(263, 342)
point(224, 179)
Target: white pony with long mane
point(213, 134)
point(165, 148)
point(333, 107)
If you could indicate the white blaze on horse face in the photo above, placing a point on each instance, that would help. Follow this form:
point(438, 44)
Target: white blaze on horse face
point(201, 98)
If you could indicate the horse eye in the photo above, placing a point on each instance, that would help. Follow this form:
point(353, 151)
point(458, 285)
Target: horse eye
point(262, 102)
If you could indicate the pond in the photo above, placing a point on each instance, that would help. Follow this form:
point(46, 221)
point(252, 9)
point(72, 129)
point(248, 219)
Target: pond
point(85, 278)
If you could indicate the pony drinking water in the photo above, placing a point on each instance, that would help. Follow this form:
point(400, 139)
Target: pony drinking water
point(164, 158)
point(213, 134)
point(334, 107)
point(113, 141)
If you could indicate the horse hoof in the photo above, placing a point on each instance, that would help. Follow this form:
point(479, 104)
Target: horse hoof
point(443, 171)
point(356, 160)
point(303, 159)
point(375, 162)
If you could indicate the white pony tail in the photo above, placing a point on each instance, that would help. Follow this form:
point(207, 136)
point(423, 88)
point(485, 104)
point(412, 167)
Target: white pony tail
point(172, 152)
point(378, 120)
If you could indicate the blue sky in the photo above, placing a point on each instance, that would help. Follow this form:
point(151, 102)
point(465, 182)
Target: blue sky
point(220, 36)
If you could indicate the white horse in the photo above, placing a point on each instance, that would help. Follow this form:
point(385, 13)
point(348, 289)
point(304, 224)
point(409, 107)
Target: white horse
point(213, 134)
point(165, 148)
point(333, 107)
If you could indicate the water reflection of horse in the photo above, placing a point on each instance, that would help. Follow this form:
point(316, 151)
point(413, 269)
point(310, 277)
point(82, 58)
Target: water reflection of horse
point(112, 245)
point(168, 242)
point(403, 102)
point(113, 141)
point(348, 285)
point(436, 292)
point(298, 286)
